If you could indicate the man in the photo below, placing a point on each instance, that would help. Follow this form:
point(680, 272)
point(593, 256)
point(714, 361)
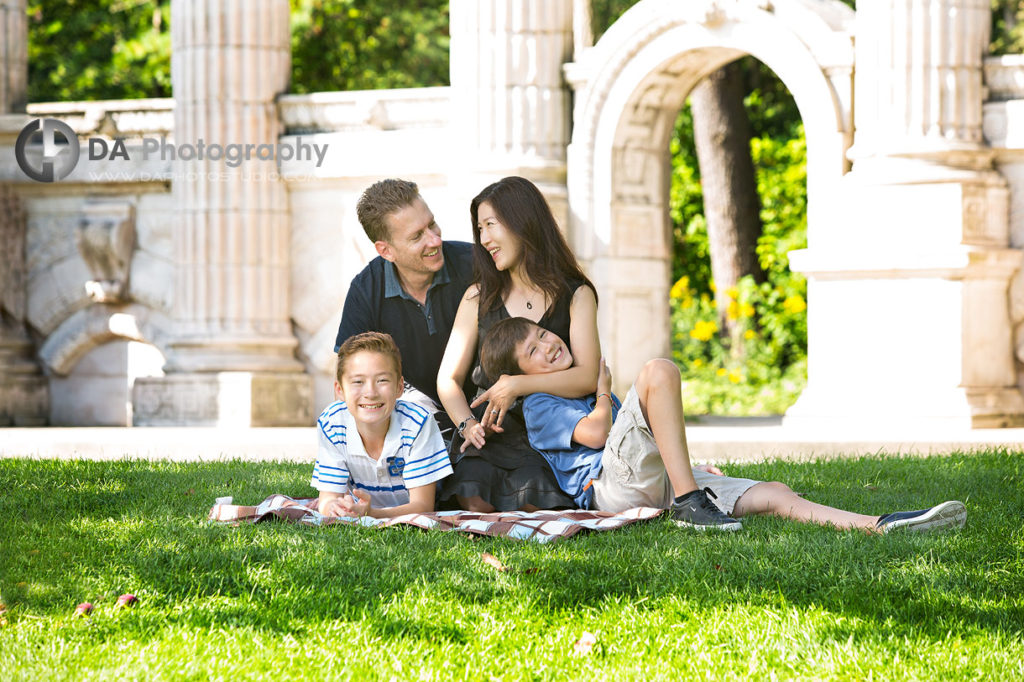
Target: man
point(411, 290)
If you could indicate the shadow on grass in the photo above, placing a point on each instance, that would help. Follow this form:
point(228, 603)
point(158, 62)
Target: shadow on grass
point(109, 527)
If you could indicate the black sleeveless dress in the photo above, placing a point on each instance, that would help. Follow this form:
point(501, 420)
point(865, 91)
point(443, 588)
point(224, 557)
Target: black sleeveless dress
point(507, 472)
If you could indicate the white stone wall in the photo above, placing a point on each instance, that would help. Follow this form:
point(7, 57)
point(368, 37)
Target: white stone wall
point(628, 89)
point(1003, 127)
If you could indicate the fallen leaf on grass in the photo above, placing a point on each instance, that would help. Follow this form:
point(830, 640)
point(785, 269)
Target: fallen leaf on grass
point(83, 609)
point(585, 644)
point(495, 562)
point(870, 487)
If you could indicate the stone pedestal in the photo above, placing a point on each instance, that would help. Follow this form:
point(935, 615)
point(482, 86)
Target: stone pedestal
point(24, 397)
point(908, 281)
point(231, 291)
point(228, 399)
point(510, 102)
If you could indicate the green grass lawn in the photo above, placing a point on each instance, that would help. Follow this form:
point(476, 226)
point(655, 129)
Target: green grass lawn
point(777, 600)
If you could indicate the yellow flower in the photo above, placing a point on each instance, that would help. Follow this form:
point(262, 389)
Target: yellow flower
point(746, 310)
point(698, 363)
point(794, 304)
point(733, 293)
point(721, 372)
point(733, 310)
point(703, 330)
point(681, 288)
point(735, 377)
point(749, 334)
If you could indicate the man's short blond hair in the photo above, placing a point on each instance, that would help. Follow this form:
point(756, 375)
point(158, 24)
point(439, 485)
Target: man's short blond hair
point(380, 200)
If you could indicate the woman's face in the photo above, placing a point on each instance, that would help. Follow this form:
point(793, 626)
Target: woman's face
point(502, 244)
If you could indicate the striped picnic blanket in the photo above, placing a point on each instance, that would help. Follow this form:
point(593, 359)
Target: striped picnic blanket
point(539, 526)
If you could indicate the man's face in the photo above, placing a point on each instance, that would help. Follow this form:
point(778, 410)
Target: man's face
point(415, 243)
point(370, 386)
point(542, 352)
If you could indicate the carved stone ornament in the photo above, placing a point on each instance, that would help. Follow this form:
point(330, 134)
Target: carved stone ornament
point(106, 239)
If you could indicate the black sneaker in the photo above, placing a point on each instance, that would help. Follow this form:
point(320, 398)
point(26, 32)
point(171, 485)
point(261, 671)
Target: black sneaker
point(698, 512)
point(940, 517)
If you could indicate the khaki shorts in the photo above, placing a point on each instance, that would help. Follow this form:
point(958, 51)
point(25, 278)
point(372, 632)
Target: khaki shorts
point(633, 474)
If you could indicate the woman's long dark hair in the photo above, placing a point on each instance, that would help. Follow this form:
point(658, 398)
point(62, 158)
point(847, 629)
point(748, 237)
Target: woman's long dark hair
point(546, 257)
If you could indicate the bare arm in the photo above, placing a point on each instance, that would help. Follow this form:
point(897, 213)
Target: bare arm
point(593, 429)
point(575, 382)
point(456, 365)
point(421, 501)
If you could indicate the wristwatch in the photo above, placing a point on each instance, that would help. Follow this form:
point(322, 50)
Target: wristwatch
point(465, 423)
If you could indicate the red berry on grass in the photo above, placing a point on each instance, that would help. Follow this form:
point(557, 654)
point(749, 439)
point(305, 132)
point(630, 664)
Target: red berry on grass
point(126, 600)
point(83, 609)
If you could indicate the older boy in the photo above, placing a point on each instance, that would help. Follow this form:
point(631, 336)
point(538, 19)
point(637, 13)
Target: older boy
point(613, 456)
point(386, 452)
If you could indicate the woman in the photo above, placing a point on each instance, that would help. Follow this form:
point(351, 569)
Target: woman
point(523, 268)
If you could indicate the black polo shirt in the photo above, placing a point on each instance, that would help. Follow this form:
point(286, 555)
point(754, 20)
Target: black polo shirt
point(377, 302)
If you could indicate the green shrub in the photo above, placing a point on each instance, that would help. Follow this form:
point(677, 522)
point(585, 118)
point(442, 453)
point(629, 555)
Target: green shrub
point(761, 367)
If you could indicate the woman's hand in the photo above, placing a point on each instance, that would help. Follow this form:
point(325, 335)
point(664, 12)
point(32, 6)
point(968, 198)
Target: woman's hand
point(499, 398)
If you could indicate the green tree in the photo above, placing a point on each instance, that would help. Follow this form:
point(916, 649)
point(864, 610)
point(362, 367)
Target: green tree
point(1007, 27)
point(359, 45)
point(98, 49)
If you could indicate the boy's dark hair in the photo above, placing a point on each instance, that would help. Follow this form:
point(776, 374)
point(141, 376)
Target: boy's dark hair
point(371, 341)
point(380, 200)
point(498, 351)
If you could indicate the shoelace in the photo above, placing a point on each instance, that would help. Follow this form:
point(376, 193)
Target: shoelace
point(706, 502)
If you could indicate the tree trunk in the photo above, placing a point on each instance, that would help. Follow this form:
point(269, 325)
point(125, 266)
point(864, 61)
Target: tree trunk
point(732, 207)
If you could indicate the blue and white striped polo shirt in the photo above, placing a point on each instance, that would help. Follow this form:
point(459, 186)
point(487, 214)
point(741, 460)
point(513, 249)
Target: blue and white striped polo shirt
point(414, 455)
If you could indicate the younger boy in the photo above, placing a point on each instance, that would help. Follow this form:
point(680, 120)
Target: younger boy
point(613, 456)
point(386, 452)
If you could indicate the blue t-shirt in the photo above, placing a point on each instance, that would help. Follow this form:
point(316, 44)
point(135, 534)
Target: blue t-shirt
point(550, 421)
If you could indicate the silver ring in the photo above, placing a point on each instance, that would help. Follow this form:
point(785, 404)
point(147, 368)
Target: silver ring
point(495, 411)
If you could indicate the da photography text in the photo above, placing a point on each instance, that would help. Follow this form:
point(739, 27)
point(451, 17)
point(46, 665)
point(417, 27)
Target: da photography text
point(48, 149)
point(233, 155)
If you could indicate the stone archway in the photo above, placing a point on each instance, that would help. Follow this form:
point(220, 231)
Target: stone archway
point(629, 90)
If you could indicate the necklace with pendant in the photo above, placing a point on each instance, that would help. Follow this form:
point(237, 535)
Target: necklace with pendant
point(529, 306)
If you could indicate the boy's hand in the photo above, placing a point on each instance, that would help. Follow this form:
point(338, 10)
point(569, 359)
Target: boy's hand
point(499, 399)
point(604, 378)
point(333, 506)
point(476, 435)
point(709, 468)
point(356, 507)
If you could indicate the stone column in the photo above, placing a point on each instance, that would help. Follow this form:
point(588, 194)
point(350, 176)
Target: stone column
point(908, 318)
point(24, 398)
point(511, 104)
point(13, 56)
point(919, 75)
point(232, 360)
